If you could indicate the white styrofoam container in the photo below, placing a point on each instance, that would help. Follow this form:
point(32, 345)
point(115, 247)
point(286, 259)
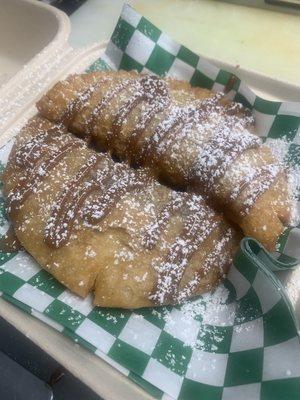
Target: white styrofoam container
point(26, 27)
point(35, 56)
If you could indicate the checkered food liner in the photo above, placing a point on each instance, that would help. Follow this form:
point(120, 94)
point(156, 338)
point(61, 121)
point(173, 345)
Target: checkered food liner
point(240, 341)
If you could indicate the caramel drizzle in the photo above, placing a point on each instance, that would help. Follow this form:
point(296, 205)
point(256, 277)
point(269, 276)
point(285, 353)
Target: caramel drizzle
point(9, 242)
point(154, 230)
point(198, 226)
point(27, 186)
point(59, 226)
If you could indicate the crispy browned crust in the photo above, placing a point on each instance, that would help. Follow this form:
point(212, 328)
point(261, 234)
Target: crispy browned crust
point(271, 211)
point(88, 262)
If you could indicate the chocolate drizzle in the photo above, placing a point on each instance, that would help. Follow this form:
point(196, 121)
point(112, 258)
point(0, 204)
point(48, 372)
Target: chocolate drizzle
point(149, 89)
point(122, 114)
point(197, 227)
point(94, 212)
point(219, 153)
point(154, 230)
point(79, 102)
point(149, 95)
point(161, 132)
point(261, 182)
point(242, 185)
point(92, 191)
point(140, 128)
point(218, 256)
point(32, 151)
point(259, 174)
point(178, 119)
point(103, 103)
point(108, 185)
point(28, 185)
point(65, 211)
point(215, 129)
point(40, 155)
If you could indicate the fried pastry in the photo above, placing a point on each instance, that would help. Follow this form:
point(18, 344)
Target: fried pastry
point(100, 226)
point(188, 136)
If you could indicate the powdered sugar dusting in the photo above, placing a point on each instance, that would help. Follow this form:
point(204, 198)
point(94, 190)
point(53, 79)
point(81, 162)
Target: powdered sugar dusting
point(143, 210)
point(202, 142)
point(197, 321)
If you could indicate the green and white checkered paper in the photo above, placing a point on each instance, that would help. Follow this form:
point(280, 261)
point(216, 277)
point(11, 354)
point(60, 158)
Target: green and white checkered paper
point(241, 341)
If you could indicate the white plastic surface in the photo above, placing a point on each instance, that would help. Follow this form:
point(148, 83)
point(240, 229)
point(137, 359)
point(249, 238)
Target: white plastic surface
point(89, 368)
point(33, 40)
point(256, 39)
point(26, 27)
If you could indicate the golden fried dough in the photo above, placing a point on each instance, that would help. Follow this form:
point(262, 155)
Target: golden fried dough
point(189, 137)
point(100, 226)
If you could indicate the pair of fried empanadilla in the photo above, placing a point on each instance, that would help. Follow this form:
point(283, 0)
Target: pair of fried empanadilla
point(111, 227)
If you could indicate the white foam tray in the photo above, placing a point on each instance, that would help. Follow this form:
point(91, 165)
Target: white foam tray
point(46, 60)
point(27, 27)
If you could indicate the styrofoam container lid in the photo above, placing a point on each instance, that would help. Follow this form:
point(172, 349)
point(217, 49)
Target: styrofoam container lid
point(27, 27)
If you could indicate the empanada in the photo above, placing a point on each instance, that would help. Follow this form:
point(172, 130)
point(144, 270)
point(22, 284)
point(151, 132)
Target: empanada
point(100, 226)
point(188, 136)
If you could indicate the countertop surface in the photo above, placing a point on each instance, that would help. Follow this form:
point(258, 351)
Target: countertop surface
point(264, 41)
